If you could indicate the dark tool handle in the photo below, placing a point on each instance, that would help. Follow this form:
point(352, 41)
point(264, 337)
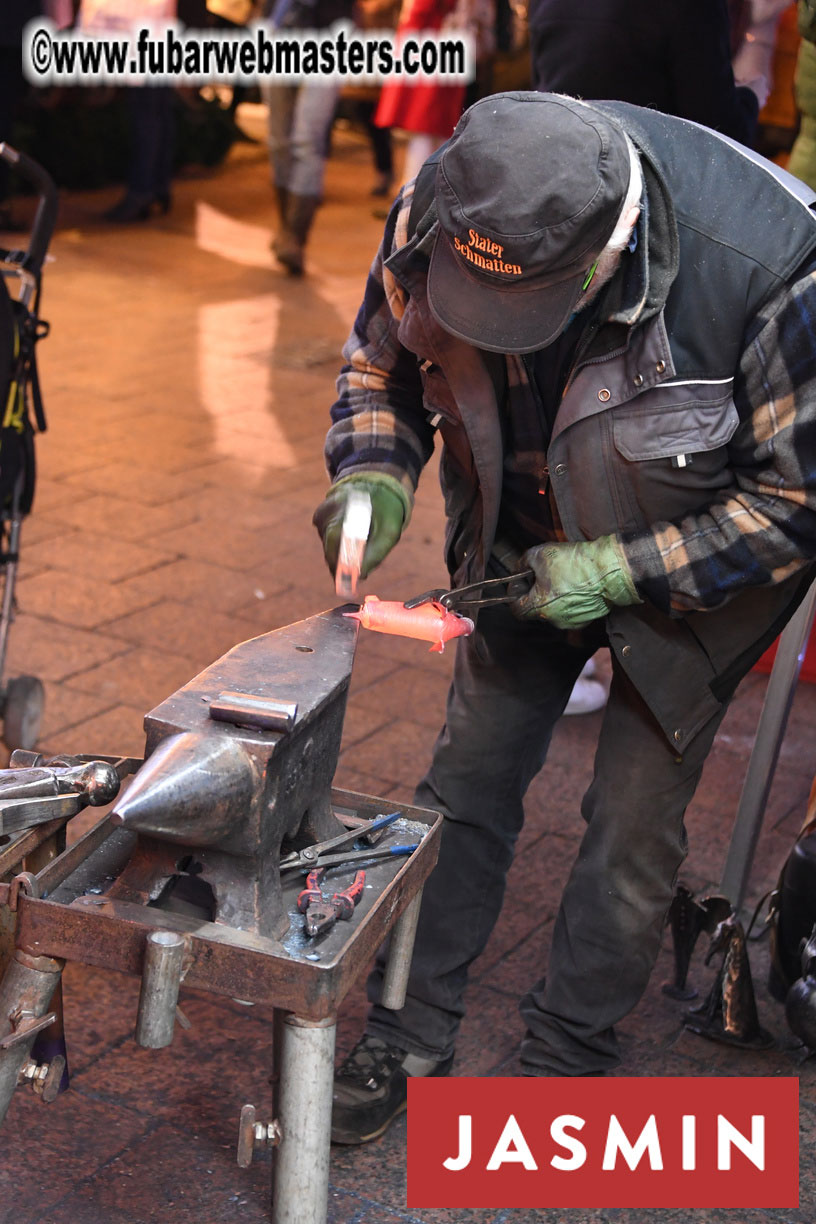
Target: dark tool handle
point(474, 596)
point(46, 215)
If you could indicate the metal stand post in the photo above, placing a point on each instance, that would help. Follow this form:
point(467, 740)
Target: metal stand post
point(765, 753)
point(400, 952)
point(161, 978)
point(301, 1180)
point(25, 993)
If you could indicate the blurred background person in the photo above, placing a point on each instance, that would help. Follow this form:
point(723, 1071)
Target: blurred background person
point(673, 56)
point(300, 118)
point(802, 161)
point(151, 126)
point(149, 108)
point(234, 15)
point(426, 110)
point(754, 27)
point(14, 16)
point(373, 15)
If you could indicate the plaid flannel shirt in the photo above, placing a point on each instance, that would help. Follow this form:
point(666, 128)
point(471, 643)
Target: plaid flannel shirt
point(758, 530)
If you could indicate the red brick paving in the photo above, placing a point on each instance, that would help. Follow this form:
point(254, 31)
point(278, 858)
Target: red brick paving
point(187, 384)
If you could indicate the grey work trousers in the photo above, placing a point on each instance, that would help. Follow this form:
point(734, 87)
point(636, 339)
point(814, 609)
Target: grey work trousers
point(511, 683)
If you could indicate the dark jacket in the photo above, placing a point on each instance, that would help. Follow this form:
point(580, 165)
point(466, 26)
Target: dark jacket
point(14, 17)
point(656, 381)
point(671, 55)
point(308, 14)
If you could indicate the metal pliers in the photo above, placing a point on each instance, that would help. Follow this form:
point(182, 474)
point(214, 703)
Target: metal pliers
point(321, 912)
point(469, 596)
point(319, 853)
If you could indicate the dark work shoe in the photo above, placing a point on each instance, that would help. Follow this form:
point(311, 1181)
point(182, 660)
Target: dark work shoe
point(371, 1088)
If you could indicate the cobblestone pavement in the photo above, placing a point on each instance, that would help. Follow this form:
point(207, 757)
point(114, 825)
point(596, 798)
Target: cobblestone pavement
point(187, 384)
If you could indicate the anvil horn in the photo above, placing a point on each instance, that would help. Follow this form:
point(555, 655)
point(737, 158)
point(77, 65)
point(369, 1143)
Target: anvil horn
point(193, 789)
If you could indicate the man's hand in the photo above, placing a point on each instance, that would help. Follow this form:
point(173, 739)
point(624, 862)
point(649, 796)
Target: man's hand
point(576, 583)
point(390, 511)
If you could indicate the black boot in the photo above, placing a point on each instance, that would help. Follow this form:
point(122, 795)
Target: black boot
point(281, 237)
point(138, 206)
point(289, 247)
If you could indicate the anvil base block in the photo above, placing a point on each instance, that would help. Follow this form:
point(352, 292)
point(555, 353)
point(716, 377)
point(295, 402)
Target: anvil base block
point(79, 922)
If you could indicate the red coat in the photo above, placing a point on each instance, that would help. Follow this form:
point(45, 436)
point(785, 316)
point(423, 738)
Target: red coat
point(427, 106)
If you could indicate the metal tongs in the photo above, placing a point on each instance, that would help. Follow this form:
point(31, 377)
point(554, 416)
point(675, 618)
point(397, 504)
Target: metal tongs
point(318, 854)
point(468, 596)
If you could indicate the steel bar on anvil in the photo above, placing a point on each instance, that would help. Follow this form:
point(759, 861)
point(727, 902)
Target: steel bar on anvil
point(238, 964)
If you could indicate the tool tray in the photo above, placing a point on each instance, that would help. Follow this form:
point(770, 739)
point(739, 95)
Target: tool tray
point(82, 920)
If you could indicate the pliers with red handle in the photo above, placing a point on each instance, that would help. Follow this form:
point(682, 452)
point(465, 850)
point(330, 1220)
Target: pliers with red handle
point(322, 912)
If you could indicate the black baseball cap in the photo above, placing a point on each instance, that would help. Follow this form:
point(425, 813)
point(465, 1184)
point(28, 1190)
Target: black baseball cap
point(528, 192)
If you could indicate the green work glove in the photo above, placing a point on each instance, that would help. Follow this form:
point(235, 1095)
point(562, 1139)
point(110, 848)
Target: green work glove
point(390, 511)
point(576, 583)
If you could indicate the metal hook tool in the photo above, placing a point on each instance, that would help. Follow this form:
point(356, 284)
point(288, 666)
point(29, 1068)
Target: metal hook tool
point(468, 596)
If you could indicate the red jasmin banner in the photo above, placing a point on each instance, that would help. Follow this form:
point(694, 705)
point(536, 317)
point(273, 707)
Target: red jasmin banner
point(677, 1142)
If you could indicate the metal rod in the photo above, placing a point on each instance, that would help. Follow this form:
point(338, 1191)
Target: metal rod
point(13, 552)
point(25, 843)
point(277, 1018)
point(17, 814)
point(161, 978)
point(400, 952)
point(60, 868)
point(50, 1045)
point(25, 993)
point(765, 753)
point(300, 1187)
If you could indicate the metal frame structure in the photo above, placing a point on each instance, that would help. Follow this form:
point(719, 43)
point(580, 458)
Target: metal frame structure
point(764, 756)
point(61, 915)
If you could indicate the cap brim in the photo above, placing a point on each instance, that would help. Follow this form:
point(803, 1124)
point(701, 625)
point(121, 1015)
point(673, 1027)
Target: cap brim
point(500, 318)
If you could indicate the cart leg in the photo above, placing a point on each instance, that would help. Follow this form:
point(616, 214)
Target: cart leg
point(765, 753)
point(301, 1181)
point(26, 989)
point(400, 952)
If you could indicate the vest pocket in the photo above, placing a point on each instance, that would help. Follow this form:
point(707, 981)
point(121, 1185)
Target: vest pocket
point(666, 432)
point(672, 457)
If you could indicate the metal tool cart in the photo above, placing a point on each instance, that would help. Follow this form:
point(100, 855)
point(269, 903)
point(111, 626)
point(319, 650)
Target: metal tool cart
point(195, 873)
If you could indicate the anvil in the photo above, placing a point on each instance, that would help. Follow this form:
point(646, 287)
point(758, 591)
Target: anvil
point(238, 761)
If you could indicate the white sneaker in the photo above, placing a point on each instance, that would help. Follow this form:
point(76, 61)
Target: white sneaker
point(587, 695)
